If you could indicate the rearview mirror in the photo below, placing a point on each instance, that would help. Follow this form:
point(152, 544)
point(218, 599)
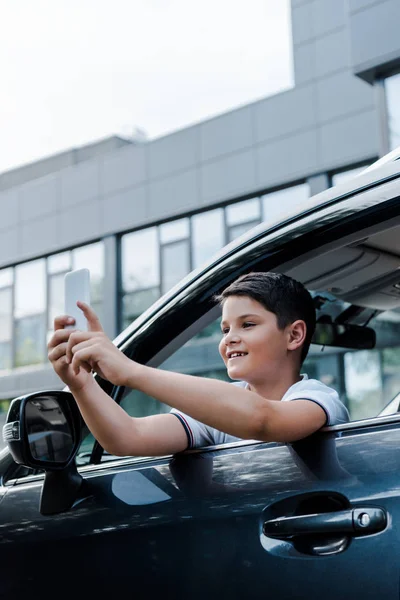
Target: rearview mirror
point(344, 335)
point(42, 431)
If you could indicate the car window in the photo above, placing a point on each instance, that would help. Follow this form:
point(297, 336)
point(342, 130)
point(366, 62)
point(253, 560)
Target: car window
point(365, 379)
point(199, 356)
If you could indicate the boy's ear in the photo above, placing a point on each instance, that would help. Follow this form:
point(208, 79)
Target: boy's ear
point(297, 334)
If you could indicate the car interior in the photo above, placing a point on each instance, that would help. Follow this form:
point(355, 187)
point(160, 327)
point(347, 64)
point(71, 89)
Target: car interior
point(355, 284)
point(359, 284)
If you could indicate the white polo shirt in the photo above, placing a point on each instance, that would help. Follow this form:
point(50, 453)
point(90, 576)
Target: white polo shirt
point(199, 434)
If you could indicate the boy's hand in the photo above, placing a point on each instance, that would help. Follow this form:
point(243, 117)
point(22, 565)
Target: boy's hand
point(57, 348)
point(94, 349)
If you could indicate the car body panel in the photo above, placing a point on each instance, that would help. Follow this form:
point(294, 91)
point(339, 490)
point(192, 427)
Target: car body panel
point(193, 520)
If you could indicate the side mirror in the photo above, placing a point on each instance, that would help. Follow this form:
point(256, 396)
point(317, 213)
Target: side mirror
point(42, 431)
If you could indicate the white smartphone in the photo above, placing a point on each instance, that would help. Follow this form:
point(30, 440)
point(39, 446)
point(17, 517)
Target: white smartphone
point(76, 287)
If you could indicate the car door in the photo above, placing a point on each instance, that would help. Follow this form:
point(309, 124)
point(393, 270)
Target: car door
point(315, 518)
point(205, 520)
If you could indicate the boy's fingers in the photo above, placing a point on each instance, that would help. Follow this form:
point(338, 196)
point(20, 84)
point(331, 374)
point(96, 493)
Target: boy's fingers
point(76, 338)
point(59, 336)
point(62, 320)
point(91, 317)
point(57, 352)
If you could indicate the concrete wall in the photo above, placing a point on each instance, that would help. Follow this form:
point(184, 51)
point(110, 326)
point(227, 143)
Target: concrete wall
point(374, 34)
point(51, 164)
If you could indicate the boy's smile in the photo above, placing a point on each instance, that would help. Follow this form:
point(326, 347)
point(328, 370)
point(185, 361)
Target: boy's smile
point(253, 348)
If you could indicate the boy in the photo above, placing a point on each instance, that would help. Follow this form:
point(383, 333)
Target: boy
point(268, 320)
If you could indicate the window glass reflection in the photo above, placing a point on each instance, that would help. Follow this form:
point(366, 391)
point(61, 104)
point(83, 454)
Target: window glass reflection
point(5, 314)
point(363, 380)
point(30, 340)
point(59, 262)
point(175, 263)
point(392, 85)
point(91, 257)
point(140, 260)
point(6, 277)
point(5, 355)
point(56, 298)
point(30, 288)
point(174, 231)
point(248, 210)
point(277, 203)
point(207, 235)
point(137, 302)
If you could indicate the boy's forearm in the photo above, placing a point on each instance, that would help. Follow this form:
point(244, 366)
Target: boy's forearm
point(107, 421)
point(219, 404)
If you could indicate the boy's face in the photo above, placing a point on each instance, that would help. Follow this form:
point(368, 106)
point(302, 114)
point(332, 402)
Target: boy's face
point(251, 331)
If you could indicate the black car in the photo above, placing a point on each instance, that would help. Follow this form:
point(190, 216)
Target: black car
point(319, 518)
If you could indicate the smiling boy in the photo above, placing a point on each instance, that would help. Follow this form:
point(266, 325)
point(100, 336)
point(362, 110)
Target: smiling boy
point(268, 320)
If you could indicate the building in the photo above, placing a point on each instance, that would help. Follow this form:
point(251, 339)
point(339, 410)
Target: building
point(141, 215)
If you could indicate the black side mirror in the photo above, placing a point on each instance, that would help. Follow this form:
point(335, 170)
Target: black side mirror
point(42, 431)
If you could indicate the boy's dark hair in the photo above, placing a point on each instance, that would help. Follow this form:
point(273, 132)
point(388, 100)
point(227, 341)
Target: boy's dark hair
point(287, 298)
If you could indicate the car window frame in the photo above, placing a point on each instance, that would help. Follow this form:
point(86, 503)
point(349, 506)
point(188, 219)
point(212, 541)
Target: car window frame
point(341, 213)
point(334, 214)
point(367, 191)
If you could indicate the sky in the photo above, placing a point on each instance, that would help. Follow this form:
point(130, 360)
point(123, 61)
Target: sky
point(75, 71)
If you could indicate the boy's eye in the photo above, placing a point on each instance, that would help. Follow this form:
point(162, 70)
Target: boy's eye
point(247, 324)
point(225, 330)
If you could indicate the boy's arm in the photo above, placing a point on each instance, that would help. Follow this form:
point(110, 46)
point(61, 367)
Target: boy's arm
point(116, 431)
point(228, 408)
point(122, 435)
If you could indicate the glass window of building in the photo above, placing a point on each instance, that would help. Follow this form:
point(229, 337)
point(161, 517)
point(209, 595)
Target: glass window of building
point(56, 300)
point(242, 216)
point(30, 313)
point(174, 231)
point(136, 303)
point(59, 263)
point(175, 252)
point(392, 86)
point(6, 277)
point(242, 212)
point(208, 235)
point(57, 266)
point(92, 257)
point(282, 201)
point(6, 321)
point(140, 258)
point(175, 263)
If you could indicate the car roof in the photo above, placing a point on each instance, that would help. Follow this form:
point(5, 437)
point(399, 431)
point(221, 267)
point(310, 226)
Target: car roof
point(390, 157)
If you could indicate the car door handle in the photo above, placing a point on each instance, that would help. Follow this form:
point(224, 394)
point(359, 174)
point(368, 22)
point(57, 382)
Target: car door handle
point(356, 521)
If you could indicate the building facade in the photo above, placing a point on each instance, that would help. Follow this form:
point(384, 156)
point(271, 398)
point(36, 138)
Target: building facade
point(142, 215)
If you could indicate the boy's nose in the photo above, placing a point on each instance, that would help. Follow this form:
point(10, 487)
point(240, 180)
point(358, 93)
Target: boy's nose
point(231, 338)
